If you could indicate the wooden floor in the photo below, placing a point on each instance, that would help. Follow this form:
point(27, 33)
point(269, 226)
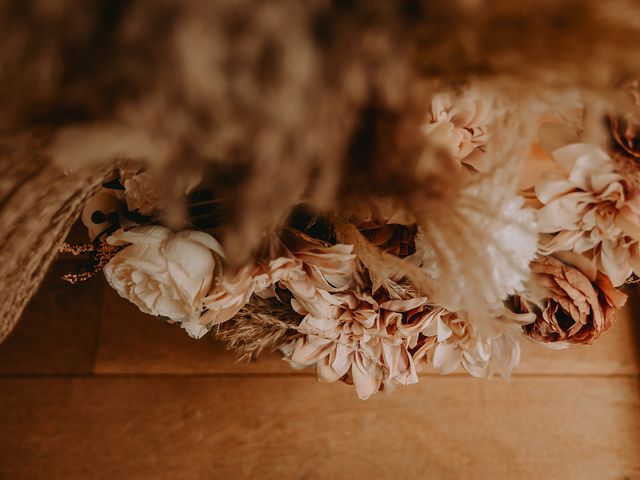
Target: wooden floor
point(92, 389)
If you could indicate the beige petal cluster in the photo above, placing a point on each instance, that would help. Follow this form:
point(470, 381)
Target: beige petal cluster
point(590, 209)
point(481, 347)
point(353, 337)
point(228, 297)
point(576, 309)
point(309, 270)
point(141, 189)
point(371, 341)
point(459, 126)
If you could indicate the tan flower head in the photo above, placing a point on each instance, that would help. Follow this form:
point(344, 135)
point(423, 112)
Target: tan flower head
point(459, 126)
point(309, 270)
point(361, 341)
point(481, 346)
point(591, 210)
point(141, 189)
point(576, 309)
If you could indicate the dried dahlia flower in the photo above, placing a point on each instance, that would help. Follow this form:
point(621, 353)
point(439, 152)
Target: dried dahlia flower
point(592, 210)
point(352, 337)
point(482, 347)
point(576, 309)
point(459, 126)
point(306, 268)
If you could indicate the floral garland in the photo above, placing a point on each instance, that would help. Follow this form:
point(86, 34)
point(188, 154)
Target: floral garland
point(343, 293)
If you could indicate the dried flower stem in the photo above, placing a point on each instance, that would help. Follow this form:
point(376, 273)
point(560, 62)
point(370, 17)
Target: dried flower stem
point(100, 256)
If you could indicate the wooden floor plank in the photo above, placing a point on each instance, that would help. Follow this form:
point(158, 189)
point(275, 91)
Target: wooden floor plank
point(59, 330)
point(292, 427)
point(133, 342)
point(614, 353)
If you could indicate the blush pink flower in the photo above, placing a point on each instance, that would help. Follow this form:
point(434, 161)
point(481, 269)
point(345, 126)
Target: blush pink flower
point(482, 347)
point(592, 210)
point(356, 339)
point(459, 126)
point(308, 270)
point(576, 309)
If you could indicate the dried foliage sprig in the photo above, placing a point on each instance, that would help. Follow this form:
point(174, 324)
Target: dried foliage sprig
point(262, 325)
point(100, 254)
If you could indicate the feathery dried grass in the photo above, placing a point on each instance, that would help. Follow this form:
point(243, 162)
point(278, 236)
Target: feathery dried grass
point(262, 325)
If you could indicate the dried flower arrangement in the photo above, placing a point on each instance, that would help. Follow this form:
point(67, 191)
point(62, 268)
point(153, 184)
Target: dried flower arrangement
point(371, 293)
point(360, 185)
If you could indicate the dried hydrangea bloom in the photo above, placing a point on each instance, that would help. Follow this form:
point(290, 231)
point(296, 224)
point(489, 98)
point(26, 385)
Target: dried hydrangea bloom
point(361, 341)
point(592, 210)
point(576, 309)
point(459, 126)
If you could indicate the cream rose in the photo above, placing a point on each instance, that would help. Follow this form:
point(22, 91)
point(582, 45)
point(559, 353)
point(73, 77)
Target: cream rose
point(164, 273)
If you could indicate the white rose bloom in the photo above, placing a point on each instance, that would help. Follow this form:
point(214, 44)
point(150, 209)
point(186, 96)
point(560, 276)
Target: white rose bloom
point(164, 273)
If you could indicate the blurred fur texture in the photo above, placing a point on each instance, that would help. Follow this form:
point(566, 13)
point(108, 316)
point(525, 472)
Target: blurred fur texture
point(278, 101)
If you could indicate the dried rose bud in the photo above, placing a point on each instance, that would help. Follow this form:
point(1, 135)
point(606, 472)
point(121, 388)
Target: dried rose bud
point(576, 309)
